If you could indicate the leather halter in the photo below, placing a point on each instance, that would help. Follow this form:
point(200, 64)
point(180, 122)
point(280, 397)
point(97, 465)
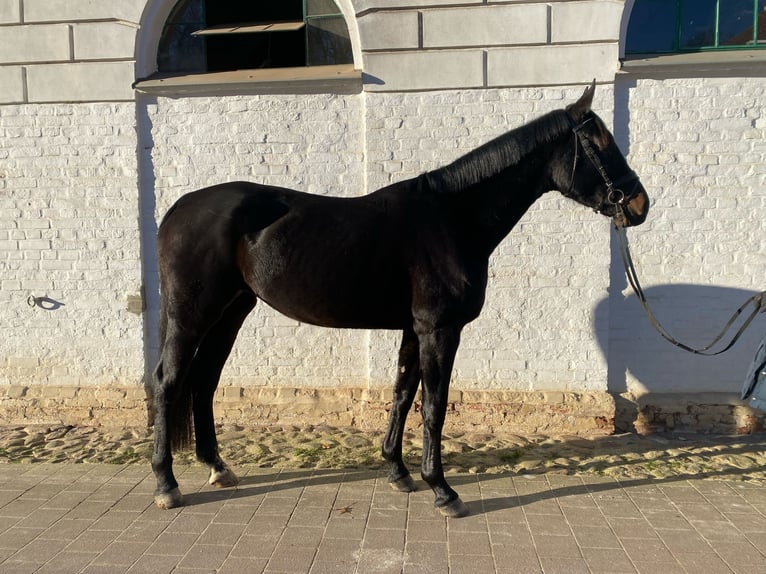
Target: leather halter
point(615, 194)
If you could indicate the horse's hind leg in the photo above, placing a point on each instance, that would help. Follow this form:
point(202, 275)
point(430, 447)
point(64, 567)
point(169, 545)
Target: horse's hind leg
point(171, 411)
point(205, 374)
point(188, 314)
point(407, 379)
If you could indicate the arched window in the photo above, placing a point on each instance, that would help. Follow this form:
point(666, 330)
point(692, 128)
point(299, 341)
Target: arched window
point(216, 35)
point(228, 47)
point(676, 26)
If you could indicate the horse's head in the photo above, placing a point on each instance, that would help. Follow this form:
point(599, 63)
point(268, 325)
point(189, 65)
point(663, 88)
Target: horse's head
point(592, 170)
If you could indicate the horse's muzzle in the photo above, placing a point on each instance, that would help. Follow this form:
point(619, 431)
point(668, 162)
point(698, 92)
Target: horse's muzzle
point(633, 211)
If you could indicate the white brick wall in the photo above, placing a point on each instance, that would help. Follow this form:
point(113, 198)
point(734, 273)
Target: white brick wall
point(312, 144)
point(700, 147)
point(68, 232)
point(537, 330)
point(76, 179)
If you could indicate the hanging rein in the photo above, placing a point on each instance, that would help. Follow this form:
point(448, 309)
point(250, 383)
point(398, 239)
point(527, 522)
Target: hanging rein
point(617, 197)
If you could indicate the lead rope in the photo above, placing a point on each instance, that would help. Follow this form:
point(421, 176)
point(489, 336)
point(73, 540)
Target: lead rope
point(758, 301)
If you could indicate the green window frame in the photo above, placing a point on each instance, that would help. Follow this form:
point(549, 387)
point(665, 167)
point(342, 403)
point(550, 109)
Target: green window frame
point(203, 36)
point(683, 26)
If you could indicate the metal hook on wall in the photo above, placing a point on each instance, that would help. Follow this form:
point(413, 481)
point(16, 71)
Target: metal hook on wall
point(45, 303)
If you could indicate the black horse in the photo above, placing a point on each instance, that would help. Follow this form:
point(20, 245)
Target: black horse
point(412, 256)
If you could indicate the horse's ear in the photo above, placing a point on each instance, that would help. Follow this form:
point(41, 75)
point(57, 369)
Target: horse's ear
point(582, 106)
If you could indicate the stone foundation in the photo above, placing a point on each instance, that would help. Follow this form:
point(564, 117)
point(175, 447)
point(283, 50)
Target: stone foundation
point(698, 412)
point(525, 413)
point(480, 411)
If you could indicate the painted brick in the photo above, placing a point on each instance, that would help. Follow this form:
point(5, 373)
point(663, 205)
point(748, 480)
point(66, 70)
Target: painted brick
point(103, 40)
point(551, 65)
point(485, 26)
point(558, 315)
point(10, 11)
point(506, 346)
point(320, 140)
point(80, 10)
point(590, 21)
point(80, 82)
point(424, 70)
point(703, 207)
point(11, 85)
point(389, 30)
point(19, 44)
point(88, 338)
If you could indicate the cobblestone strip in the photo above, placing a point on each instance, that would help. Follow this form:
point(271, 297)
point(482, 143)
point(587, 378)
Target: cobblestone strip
point(625, 456)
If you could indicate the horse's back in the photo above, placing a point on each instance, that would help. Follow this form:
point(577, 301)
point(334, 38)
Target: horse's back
point(240, 201)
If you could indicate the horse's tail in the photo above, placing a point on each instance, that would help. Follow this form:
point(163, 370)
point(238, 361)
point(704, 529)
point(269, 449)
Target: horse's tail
point(180, 422)
point(151, 377)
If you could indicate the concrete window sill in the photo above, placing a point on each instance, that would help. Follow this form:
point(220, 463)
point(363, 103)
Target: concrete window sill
point(340, 79)
point(747, 63)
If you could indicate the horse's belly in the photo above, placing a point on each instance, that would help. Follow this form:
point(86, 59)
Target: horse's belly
point(322, 268)
point(355, 296)
point(339, 310)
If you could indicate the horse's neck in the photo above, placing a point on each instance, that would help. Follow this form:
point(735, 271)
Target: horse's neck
point(487, 210)
point(495, 185)
point(499, 203)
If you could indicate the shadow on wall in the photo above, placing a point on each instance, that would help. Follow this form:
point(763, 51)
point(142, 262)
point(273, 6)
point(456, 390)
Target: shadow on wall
point(641, 362)
point(147, 204)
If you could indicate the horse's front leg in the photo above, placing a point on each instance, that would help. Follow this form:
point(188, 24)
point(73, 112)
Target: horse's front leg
point(407, 379)
point(437, 356)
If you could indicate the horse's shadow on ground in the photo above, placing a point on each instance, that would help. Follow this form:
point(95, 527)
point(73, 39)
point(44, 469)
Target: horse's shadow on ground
point(489, 505)
point(252, 487)
point(267, 483)
point(270, 482)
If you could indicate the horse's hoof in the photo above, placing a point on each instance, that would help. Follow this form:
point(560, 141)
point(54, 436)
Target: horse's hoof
point(404, 484)
point(454, 509)
point(224, 478)
point(168, 500)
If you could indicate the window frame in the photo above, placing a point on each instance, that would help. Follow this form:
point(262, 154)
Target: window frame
point(715, 47)
point(335, 78)
point(747, 61)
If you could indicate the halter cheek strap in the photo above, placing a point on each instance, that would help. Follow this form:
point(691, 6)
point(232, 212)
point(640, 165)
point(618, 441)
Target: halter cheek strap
point(615, 195)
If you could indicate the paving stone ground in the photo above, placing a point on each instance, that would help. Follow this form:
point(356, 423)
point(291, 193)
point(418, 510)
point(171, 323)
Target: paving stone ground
point(316, 500)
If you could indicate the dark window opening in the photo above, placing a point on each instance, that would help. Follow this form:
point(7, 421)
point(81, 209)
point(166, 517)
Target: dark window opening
point(216, 36)
point(677, 26)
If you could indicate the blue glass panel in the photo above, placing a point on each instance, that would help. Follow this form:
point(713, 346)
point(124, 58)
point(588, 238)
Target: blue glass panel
point(652, 27)
point(178, 50)
point(735, 23)
point(697, 24)
point(761, 37)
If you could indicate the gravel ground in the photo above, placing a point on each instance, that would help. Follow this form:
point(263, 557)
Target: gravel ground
point(621, 456)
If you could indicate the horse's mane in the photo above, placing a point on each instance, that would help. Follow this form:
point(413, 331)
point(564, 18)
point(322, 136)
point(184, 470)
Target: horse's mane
point(496, 155)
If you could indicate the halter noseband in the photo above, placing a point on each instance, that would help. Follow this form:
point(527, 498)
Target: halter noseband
point(615, 195)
